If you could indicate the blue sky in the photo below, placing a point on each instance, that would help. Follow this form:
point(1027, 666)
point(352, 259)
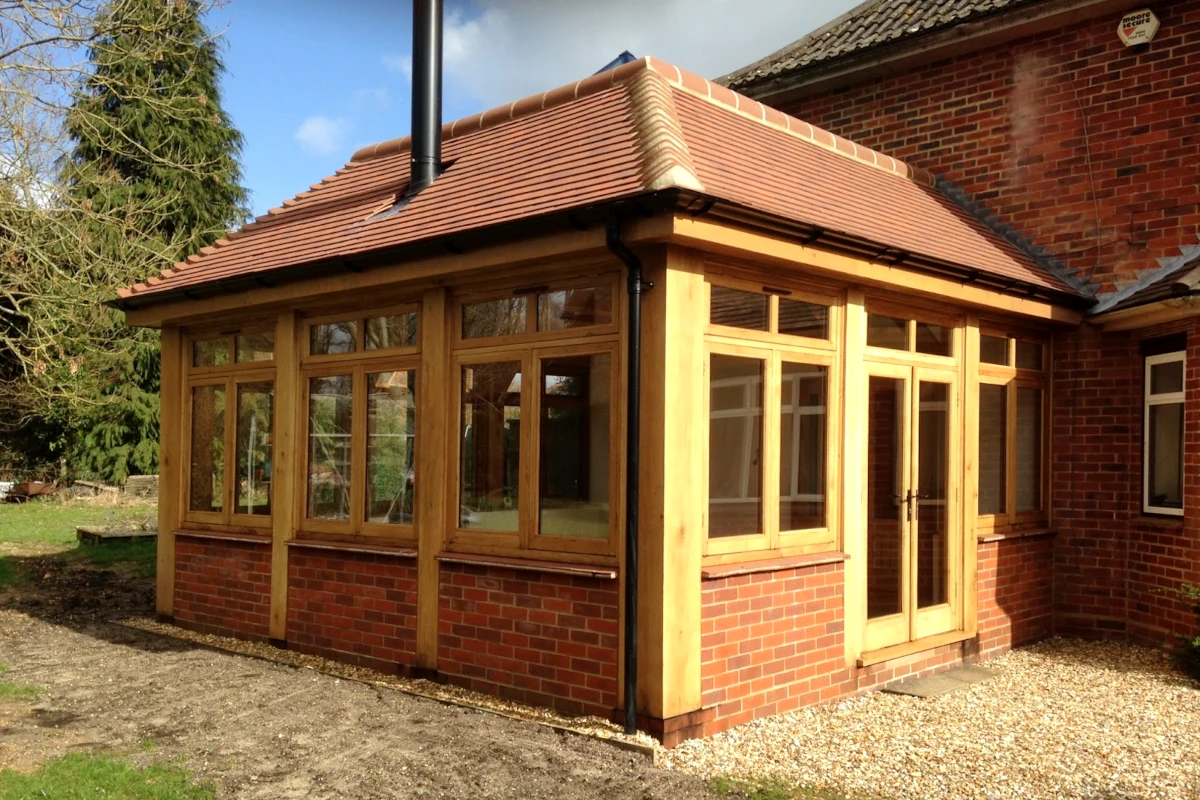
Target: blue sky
point(310, 81)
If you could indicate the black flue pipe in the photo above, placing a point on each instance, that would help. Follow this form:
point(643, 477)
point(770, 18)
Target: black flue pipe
point(633, 449)
point(426, 151)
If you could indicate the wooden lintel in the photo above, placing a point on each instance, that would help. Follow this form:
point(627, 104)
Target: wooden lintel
point(729, 240)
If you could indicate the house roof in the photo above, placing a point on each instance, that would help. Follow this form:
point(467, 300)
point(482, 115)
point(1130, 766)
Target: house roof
point(872, 24)
point(1175, 277)
point(636, 130)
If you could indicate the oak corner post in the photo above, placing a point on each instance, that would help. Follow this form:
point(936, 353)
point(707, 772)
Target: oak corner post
point(170, 454)
point(287, 467)
point(432, 432)
point(673, 444)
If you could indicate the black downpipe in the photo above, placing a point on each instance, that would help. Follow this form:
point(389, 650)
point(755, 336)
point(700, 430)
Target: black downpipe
point(633, 405)
point(426, 153)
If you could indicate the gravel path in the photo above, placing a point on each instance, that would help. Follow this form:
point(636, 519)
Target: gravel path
point(1065, 719)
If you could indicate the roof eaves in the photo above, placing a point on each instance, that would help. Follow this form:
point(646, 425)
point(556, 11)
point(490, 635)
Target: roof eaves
point(1015, 238)
point(1175, 270)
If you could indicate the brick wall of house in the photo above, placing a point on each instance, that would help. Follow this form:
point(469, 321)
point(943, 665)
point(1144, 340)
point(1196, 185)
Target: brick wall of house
point(534, 637)
point(1085, 146)
point(1115, 567)
point(223, 587)
point(355, 607)
point(1016, 593)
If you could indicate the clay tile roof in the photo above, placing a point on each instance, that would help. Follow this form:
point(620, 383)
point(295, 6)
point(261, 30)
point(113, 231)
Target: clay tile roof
point(643, 127)
point(872, 24)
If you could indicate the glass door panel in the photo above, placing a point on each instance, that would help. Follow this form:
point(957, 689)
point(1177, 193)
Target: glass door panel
point(887, 403)
point(933, 495)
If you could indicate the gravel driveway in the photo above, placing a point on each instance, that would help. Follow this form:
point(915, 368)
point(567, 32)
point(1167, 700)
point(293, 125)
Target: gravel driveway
point(1065, 719)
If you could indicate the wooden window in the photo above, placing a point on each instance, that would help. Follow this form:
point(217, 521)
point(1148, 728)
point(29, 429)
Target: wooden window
point(537, 380)
point(360, 377)
point(229, 415)
point(1162, 477)
point(771, 472)
point(1011, 398)
point(890, 327)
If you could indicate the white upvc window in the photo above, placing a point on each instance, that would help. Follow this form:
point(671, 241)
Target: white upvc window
point(1162, 446)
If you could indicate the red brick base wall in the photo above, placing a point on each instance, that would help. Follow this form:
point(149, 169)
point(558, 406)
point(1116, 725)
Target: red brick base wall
point(533, 637)
point(773, 642)
point(223, 587)
point(354, 607)
point(1016, 593)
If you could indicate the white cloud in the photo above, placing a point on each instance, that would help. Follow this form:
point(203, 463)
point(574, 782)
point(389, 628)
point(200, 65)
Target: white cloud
point(398, 63)
point(372, 99)
point(503, 50)
point(321, 135)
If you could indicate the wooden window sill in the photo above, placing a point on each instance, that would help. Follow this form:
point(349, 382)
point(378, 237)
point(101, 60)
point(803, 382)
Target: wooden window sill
point(909, 648)
point(993, 536)
point(771, 565)
point(228, 536)
point(530, 565)
point(354, 547)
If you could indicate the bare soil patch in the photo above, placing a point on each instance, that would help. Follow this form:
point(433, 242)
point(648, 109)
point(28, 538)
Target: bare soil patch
point(263, 730)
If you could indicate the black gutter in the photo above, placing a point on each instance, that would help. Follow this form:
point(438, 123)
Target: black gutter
point(426, 154)
point(633, 415)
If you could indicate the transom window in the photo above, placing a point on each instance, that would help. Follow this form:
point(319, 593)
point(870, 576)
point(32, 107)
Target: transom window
point(909, 335)
point(360, 373)
point(770, 390)
point(1163, 439)
point(538, 444)
point(230, 385)
point(1012, 400)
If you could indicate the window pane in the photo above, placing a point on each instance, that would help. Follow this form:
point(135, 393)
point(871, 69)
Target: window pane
point(575, 308)
point(931, 508)
point(993, 350)
point(391, 432)
point(739, 309)
point(254, 347)
point(397, 330)
point(1166, 378)
point(1029, 355)
point(935, 340)
point(887, 332)
point(1165, 468)
point(210, 352)
point(252, 482)
point(330, 412)
point(1029, 449)
point(208, 449)
point(735, 448)
point(490, 468)
point(333, 337)
point(573, 465)
point(993, 450)
point(802, 446)
point(503, 317)
point(797, 318)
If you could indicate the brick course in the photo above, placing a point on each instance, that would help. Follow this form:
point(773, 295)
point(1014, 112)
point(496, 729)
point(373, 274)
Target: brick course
point(1051, 129)
point(355, 607)
point(539, 638)
point(223, 587)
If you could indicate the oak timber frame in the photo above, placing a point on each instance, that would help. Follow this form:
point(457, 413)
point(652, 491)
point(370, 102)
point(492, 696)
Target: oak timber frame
point(682, 257)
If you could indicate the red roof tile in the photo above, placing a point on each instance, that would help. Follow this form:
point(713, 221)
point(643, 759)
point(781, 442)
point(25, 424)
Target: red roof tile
point(640, 128)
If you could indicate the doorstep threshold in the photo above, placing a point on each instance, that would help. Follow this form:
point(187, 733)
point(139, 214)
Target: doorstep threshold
point(942, 683)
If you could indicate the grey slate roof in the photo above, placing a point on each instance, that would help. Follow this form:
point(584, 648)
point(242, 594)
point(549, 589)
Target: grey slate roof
point(871, 24)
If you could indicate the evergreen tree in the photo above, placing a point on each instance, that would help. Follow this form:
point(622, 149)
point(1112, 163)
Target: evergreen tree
point(152, 176)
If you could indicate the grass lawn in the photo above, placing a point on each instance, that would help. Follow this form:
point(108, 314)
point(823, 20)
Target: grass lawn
point(82, 775)
point(53, 521)
point(15, 692)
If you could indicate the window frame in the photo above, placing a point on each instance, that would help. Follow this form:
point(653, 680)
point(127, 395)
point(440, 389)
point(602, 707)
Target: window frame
point(1014, 378)
point(358, 364)
point(1149, 400)
point(229, 376)
point(773, 349)
point(530, 349)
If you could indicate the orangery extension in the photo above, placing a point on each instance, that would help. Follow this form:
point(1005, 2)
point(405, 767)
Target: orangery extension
point(634, 388)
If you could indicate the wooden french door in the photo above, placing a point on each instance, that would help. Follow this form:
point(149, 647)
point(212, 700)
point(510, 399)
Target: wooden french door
point(913, 579)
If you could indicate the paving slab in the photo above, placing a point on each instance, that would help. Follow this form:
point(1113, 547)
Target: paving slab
point(942, 682)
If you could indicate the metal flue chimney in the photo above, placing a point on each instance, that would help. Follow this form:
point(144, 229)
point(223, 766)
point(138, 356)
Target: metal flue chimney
point(426, 94)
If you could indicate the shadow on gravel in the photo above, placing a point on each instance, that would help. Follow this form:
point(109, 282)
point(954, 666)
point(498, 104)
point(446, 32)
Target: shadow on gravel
point(68, 589)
